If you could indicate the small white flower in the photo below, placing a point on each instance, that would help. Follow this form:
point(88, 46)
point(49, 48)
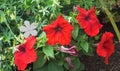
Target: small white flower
point(28, 29)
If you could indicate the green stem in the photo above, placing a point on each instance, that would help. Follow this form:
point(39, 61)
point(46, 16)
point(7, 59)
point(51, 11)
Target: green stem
point(111, 19)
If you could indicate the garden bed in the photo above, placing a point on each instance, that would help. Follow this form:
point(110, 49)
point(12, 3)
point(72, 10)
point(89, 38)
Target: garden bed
point(96, 63)
point(60, 35)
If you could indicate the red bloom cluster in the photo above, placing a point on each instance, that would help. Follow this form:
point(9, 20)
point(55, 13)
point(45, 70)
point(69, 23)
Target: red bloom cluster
point(88, 21)
point(58, 32)
point(106, 47)
point(25, 54)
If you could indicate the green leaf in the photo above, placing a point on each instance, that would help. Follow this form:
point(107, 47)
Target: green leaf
point(67, 1)
point(40, 61)
point(75, 31)
point(82, 67)
point(44, 68)
point(59, 62)
point(85, 46)
point(48, 50)
point(2, 17)
point(78, 66)
point(12, 16)
point(90, 52)
point(54, 67)
point(42, 40)
point(1, 38)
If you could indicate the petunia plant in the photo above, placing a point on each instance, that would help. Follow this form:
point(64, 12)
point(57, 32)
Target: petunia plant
point(51, 35)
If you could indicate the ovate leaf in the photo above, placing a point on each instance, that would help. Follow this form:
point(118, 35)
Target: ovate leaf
point(75, 31)
point(40, 61)
point(48, 50)
point(85, 46)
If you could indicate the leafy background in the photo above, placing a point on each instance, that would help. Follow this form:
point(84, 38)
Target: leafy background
point(14, 12)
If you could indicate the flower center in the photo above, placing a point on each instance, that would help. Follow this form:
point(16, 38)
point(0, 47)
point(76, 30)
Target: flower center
point(58, 28)
point(22, 49)
point(105, 45)
point(87, 17)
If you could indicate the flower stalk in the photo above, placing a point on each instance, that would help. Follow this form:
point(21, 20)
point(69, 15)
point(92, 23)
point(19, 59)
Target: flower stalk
point(111, 19)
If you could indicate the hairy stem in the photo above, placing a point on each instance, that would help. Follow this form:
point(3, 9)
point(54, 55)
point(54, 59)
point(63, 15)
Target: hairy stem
point(111, 19)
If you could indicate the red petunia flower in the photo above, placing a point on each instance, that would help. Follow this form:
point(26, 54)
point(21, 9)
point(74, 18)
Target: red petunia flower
point(58, 32)
point(25, 53)
point(106, 47)
point(88, 21)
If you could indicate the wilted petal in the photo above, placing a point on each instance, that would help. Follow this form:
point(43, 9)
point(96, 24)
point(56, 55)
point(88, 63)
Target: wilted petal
point(72, 50)
point(68, 60)
point(23, 29)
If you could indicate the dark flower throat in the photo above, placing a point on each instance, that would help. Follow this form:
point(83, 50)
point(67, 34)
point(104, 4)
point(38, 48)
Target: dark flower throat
point(22, 49)
point(87, 17)
point(58, 29)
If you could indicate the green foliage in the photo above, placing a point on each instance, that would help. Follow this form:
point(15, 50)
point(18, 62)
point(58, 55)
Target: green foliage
point(78, 65)
point(42, 40)
point(13, 13)
point(54, 67)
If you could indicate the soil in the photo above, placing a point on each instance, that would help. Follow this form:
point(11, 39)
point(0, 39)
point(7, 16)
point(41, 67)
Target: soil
point(96, 63)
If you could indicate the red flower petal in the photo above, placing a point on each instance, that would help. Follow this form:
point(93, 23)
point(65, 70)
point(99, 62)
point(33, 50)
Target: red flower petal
point(88, 21)
point(20, 64)
point(106, 46)
point(59, 32)
point(30, 56)
point(81, 10)
point(30, 42)
point(92, 31)
point(25, 54)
